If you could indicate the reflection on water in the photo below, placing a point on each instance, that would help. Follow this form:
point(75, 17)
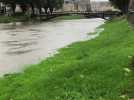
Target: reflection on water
point(22, 44)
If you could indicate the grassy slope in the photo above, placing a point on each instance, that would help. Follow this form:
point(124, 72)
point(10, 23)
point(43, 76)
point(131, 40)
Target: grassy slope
point(90, 70)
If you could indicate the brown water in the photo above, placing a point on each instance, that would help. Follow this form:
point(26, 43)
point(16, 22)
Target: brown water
point(22, 44)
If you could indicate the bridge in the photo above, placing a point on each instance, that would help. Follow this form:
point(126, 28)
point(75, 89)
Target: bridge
point(97, 14)
point(100, 14)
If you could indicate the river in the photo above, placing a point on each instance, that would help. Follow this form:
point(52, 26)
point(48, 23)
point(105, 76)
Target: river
point(22, 44)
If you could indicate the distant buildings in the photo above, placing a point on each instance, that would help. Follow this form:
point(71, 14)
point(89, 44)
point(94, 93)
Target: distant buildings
point(84, 5)
point(76, 5)
point(102, 6)
point(87, 5)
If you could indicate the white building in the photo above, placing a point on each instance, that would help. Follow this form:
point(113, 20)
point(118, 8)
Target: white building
point(87, 5)
point(102, 6)
point(77, 5)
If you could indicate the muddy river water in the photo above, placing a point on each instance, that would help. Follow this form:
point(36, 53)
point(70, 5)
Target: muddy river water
point(28, 43)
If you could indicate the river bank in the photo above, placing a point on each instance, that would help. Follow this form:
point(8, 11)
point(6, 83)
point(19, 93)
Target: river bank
point(96, 69)
point(25, 18)
point(10, 19)
point(29, 43)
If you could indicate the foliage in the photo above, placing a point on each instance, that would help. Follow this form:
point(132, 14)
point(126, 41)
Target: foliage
point(39, 4)
point(15, 18)
point(69, 17)
point(121, 4)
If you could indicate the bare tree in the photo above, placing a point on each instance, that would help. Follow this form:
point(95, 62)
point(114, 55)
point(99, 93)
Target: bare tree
point(131, 12)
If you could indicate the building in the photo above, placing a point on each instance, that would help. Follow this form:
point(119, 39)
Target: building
point(102, 6)
point(87, 5)
point(76, 5)
point(84, 5)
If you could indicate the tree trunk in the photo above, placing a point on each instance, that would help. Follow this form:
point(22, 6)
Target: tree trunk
point(124, 9)
point(40, 11)
point(13, 6)
point(131, 5)
point(46, 9)
point(130, 16)
point(32, 7)
point(51, 9)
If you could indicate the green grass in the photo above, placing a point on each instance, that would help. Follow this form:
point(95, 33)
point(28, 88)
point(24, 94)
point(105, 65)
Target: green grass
point(90, 70)
point(8, 19)
point(70, 17)
point(24, 18)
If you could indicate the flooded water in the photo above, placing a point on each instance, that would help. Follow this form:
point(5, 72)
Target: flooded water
point(22, 44)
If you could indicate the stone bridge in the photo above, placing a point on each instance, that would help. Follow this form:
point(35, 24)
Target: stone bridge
point(100, 14)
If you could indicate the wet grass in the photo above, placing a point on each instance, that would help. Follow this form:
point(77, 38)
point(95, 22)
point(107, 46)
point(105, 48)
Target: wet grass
point(69, 17)
point(97, 69)
point(8, 19)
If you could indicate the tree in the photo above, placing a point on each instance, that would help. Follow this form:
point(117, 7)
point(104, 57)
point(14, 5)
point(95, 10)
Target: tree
point(38, 4)
point(121, 4)
point(54, 4)
point(131, 5)
point(130, 16)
